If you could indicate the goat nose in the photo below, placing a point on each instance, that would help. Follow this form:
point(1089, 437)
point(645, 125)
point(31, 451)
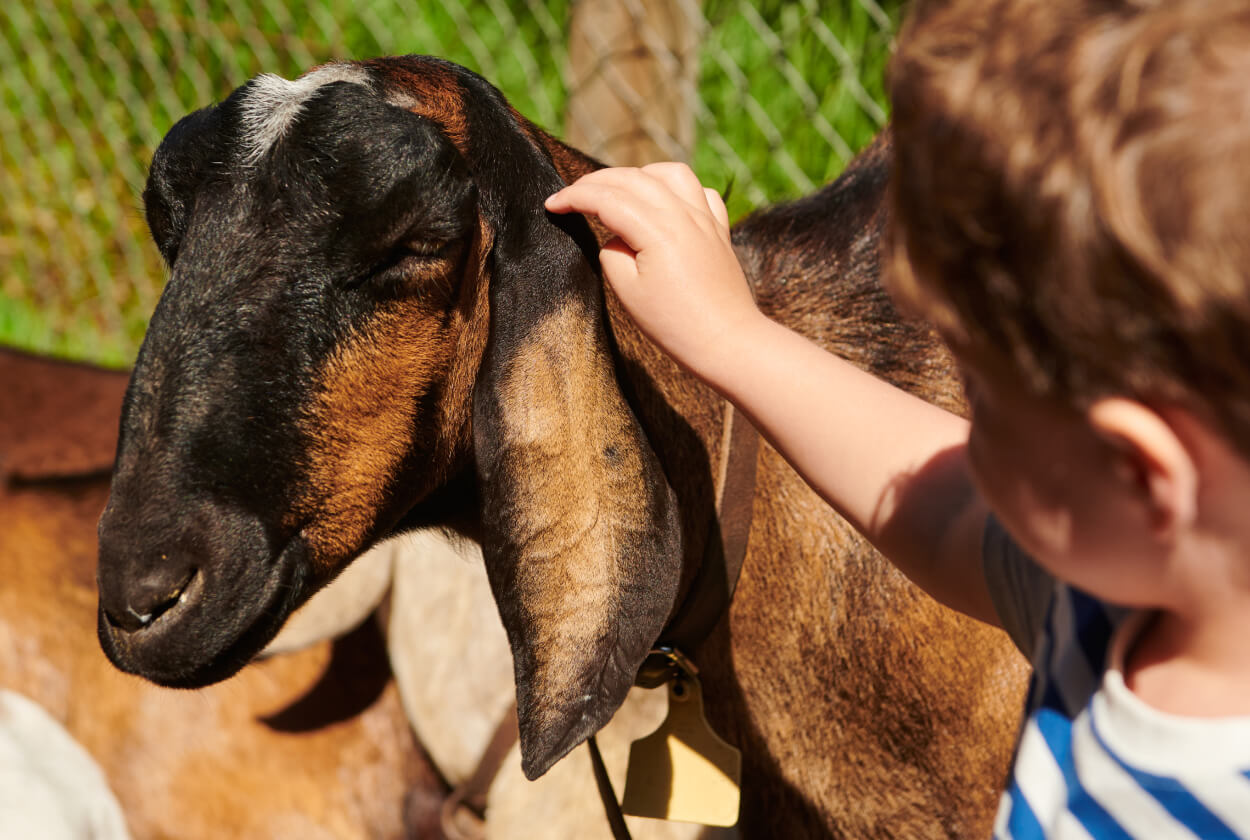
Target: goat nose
point(146, 598)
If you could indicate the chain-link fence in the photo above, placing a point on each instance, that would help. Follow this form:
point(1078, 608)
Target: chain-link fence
point(772, 97)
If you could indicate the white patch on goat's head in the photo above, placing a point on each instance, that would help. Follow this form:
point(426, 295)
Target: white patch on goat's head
point(271, 103)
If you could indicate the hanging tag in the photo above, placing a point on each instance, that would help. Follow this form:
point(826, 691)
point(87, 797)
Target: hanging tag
point(683, 770)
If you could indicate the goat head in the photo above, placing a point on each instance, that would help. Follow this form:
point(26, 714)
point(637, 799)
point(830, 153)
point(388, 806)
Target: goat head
point(370, 323)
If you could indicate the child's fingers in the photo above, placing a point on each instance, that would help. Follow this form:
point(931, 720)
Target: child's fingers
point(621, 209)
point(619, 262)
point(627, 183)
point(680, 179)
point(656, 191)
point(716, 204)
point(659, 209)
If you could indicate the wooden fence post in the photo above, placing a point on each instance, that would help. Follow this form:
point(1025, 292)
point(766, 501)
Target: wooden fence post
point(633, 66)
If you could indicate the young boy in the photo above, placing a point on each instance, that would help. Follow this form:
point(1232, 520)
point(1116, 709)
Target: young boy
point(1069, 208)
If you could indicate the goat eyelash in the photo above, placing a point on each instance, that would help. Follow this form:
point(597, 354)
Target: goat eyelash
point(430, 248)
point(403, 260)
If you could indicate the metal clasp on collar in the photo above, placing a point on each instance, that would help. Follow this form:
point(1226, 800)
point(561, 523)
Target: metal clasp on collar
point(663, 665)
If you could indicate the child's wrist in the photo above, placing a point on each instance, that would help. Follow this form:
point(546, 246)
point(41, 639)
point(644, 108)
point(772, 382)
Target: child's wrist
point(719, 361)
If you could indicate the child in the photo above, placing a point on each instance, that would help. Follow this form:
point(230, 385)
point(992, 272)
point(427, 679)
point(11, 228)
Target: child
point(1069, 208)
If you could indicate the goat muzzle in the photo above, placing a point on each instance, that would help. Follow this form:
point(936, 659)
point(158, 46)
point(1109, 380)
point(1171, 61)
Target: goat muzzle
point(184, 610)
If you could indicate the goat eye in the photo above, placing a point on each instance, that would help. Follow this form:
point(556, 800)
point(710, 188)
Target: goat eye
point(417, 259)
point(425, 248)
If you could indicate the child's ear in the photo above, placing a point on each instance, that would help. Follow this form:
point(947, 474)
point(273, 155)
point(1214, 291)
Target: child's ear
point(1152, 457)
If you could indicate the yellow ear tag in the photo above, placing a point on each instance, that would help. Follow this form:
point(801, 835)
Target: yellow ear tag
point(683, 770)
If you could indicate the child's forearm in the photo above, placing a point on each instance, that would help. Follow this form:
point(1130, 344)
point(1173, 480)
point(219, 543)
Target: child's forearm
point(890, 463)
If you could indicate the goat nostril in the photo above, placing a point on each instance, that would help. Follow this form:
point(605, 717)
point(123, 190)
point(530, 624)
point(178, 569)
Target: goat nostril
point(148, 603)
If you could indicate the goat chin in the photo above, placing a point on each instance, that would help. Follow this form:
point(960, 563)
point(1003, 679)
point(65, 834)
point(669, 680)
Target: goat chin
point(340, 607)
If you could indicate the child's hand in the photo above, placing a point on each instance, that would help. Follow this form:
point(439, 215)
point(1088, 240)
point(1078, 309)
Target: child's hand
point(672, 264)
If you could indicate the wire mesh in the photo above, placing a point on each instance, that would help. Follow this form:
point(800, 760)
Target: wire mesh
point(775, 98)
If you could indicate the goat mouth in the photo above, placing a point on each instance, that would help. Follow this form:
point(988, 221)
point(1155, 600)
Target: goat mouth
point(131, 621)
point(213, 628)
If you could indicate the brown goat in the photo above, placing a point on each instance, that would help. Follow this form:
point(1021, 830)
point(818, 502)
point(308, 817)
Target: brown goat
point(312, 746)
point(371, 326)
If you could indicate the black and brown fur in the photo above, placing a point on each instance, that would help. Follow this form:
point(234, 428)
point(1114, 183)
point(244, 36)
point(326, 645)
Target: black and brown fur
point(399, 336)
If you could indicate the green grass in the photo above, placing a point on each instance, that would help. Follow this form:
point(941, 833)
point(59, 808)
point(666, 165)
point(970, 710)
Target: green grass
point(88, 88)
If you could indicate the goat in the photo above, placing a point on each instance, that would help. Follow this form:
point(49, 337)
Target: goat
point(371, 326)
point(312, 745)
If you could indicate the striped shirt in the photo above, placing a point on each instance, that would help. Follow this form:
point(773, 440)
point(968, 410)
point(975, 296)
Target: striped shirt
point(1093, 760)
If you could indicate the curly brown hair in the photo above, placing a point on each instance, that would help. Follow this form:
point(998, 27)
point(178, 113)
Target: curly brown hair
point(1071, 194)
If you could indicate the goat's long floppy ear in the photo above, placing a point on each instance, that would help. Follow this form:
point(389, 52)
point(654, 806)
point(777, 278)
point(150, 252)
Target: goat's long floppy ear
point(582, 543)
